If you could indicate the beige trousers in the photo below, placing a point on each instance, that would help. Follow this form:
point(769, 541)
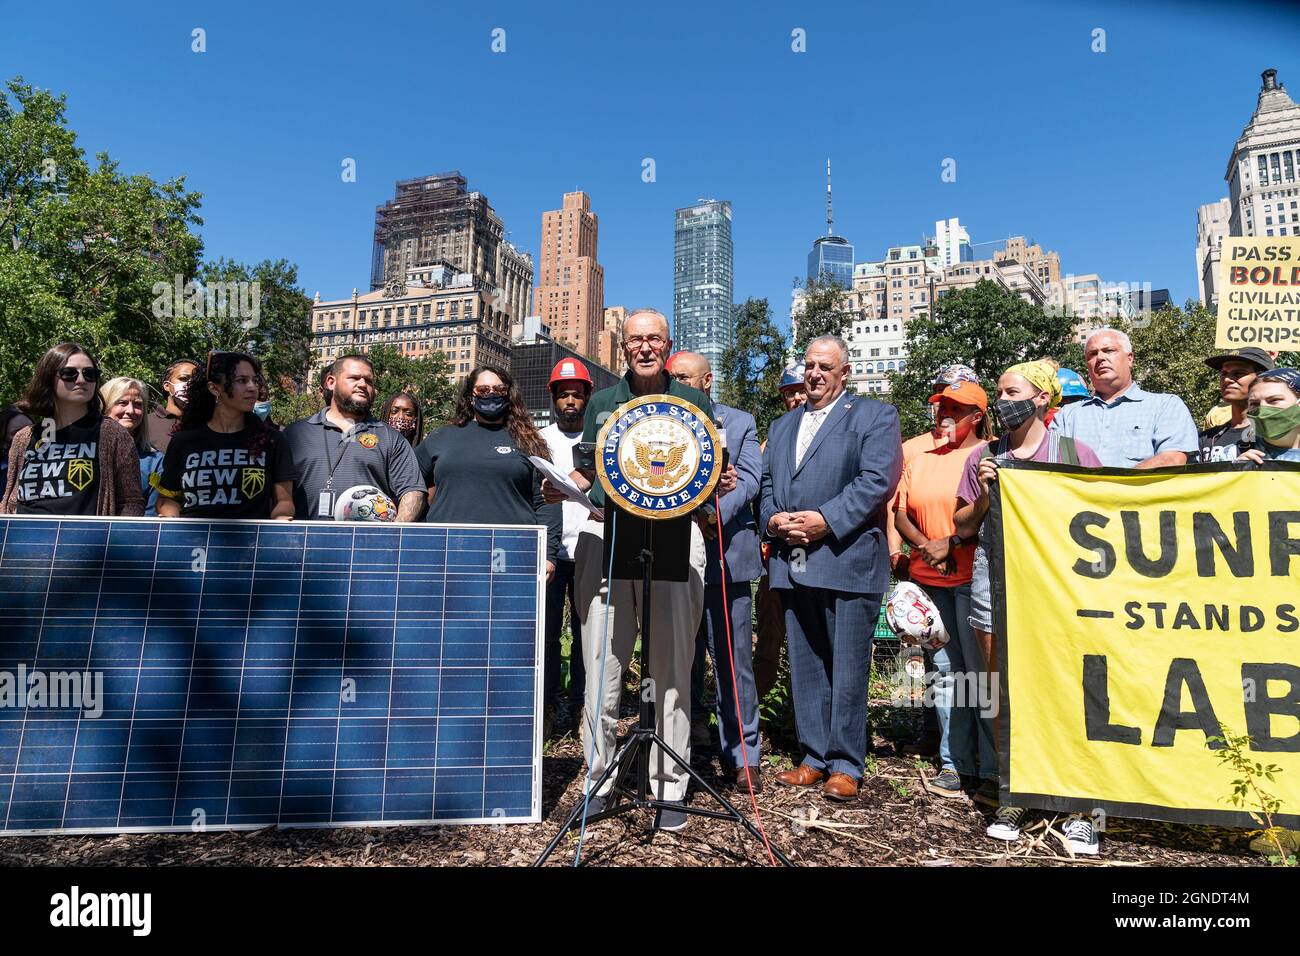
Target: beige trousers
point(674, 619)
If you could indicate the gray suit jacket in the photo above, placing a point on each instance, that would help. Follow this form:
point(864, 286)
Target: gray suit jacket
point(736, 512)
point(849, 474)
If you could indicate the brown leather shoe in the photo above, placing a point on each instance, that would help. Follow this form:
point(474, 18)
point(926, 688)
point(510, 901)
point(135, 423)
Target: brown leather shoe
point(743, 784)
point(800, 776)
point(841, 787)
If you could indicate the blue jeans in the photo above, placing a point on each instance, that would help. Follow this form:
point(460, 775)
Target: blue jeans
point(962, 689)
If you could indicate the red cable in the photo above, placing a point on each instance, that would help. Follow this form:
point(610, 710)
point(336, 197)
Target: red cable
point(735, 689)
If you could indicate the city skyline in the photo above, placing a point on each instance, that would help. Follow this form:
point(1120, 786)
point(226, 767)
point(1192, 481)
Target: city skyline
point(270, 169)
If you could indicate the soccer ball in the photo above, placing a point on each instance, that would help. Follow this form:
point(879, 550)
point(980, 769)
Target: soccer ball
point(364, 503)
point(911, 615)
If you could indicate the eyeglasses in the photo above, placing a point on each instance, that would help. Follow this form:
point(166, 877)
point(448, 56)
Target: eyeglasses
point(483, 391)
point(69, 375)
point(656, 342)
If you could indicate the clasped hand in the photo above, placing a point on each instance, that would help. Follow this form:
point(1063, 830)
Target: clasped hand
point(798, 527)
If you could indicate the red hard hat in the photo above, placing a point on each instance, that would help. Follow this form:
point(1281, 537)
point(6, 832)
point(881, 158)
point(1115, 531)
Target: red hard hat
point(570, 370)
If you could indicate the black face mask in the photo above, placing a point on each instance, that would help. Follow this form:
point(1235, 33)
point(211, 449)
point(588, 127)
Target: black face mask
point(491, 407)
point(1012, 413)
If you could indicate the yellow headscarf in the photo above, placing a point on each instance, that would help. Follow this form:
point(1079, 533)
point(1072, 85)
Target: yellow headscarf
point(1042, 376)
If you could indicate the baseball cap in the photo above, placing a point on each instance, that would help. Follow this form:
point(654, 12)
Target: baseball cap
point(1257, 357)
point(963, 393)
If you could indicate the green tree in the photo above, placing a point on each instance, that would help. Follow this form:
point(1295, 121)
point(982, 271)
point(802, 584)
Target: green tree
point(428, 378)
point(985, 327)
point(750, 370)
point(1169, 351)
point(84, 247)
point(821, 311)
point(279, 334)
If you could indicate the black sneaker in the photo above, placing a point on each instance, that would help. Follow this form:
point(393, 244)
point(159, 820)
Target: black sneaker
point(1007, 823)
point(672, 819)
point(946, 784)
point(1081, 836)
point(596, 804)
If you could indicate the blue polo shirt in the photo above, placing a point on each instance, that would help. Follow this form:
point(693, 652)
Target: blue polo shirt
point(1130, 428)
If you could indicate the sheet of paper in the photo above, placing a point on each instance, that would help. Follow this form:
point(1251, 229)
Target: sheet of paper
point(562, 482)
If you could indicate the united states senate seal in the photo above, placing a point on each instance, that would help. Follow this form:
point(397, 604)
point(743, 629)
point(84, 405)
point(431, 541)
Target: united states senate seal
point(658, 457)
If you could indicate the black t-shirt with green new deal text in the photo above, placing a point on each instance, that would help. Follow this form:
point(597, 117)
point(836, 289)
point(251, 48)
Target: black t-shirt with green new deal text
point(61, 477)
point(215, 474)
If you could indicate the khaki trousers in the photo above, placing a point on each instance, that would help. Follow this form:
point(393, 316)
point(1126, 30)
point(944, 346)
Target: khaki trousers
point(674, 619)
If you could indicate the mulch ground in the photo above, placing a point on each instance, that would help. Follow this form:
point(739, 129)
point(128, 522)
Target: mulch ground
point(894, 822)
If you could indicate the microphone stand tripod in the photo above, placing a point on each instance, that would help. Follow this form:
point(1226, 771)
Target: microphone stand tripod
point(630, 767)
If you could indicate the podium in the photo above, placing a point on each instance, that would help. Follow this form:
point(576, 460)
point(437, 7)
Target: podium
point(649, 550)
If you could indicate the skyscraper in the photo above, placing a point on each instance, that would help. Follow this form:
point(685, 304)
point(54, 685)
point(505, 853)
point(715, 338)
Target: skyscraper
point(953, 241)
point(832, 256)
point(435, 222)
point(1211, 228)
point(1264, 167)
point(702, 280)
point(571, 284)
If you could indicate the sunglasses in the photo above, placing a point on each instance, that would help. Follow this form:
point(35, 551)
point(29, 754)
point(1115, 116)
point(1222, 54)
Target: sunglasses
point(483, 391)
point(70, 375)
point(207, 369)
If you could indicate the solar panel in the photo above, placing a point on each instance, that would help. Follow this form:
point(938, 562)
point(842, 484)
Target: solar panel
point(266, 672)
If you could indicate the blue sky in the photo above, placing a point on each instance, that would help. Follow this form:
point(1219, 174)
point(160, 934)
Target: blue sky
point(1100, 156)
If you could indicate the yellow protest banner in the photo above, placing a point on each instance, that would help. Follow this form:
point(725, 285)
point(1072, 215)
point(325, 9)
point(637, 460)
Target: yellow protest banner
point(1136, 612)
point(1259, 294)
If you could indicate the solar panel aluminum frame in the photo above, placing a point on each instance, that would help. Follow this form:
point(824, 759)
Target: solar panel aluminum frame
point(535, 808)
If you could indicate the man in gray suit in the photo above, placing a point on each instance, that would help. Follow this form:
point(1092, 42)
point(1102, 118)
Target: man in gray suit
point(739, 744)
point(829, 472)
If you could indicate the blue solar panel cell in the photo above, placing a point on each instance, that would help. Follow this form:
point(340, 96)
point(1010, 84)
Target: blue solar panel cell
point(255, 673)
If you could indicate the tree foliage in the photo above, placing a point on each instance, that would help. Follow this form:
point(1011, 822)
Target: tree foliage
point(985, 327)
point(108, 260)
point(821, 312)
point(751, 368)
point(427, 378)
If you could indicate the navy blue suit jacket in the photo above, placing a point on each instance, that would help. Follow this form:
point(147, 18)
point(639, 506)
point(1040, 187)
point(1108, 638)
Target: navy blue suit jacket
point(849, 474)
point(735, 511)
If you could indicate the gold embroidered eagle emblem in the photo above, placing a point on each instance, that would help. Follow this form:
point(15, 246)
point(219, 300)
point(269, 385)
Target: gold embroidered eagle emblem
point(657, 464)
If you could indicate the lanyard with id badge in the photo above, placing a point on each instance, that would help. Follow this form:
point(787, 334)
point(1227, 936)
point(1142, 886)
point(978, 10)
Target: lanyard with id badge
point(325, 504)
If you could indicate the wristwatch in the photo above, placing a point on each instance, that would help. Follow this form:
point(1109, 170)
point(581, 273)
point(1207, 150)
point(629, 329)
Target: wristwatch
point(954, 542)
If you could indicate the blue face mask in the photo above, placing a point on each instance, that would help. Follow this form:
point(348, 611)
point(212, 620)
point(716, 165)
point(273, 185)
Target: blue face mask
point(262, 409)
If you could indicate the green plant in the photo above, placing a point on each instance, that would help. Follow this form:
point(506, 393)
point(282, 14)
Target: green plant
point(1249, 794)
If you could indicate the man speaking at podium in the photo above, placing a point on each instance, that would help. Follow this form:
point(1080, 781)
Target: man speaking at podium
point(829, 470)
point(677, 606)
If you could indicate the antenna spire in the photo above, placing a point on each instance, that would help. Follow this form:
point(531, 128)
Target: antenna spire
point(830, 218)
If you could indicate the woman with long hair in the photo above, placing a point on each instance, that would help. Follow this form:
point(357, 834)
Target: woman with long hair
point(71, 461)
point(477, 467)
point(224, 461)
point(403, 413)
point(126, 401)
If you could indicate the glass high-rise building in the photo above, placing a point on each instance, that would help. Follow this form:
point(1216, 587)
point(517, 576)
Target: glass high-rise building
point(702, 281)
point(832, 259)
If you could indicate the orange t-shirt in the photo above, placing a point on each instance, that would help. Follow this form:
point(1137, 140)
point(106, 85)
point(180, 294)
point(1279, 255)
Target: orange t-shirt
point(927, 493)
point(926, 441)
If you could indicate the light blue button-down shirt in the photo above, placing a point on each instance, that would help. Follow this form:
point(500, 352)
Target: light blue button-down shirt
point(1131, 428)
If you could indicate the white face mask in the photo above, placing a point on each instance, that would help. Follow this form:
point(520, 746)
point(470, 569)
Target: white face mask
point(181, 392)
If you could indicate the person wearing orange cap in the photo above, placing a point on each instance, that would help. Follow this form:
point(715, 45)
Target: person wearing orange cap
point(570, 386)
